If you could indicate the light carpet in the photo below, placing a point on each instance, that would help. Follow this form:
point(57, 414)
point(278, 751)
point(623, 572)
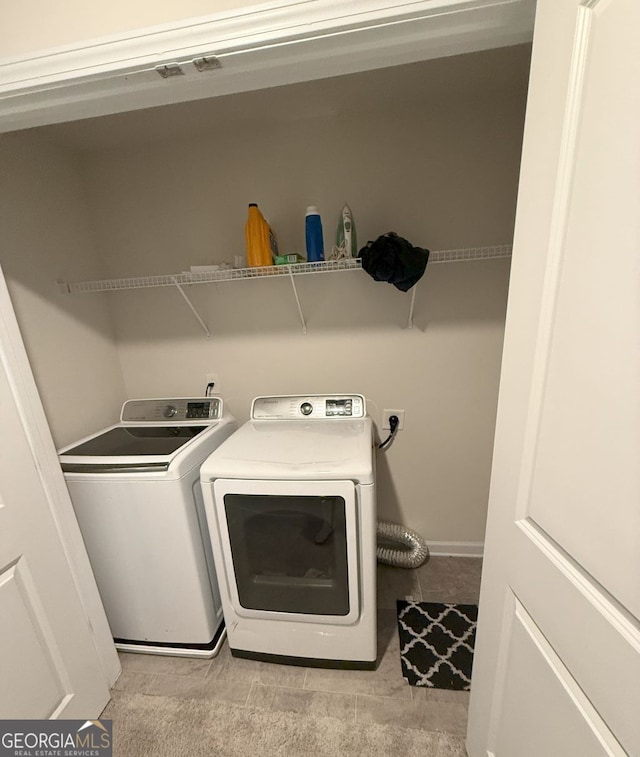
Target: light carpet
point(156, 726)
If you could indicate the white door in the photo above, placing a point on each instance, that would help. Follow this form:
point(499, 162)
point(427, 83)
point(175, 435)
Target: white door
point(49, 661)
point(557, 668)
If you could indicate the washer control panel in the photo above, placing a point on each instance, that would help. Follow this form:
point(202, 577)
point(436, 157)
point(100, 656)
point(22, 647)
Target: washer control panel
point(172, 410)
point(309, 407)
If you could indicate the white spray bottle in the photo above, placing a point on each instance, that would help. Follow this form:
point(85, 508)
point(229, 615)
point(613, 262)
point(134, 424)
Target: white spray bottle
point(346, 240)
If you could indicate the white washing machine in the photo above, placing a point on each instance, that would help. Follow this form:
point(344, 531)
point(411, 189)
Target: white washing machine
point(291, 508)
point(135, 488)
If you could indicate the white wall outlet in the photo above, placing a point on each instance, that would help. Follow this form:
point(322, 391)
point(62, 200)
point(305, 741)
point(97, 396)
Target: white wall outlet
point(386, 414)
point(212, 378)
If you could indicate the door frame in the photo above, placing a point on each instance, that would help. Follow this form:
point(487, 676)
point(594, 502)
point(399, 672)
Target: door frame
point(16, 365)
point(250, 48)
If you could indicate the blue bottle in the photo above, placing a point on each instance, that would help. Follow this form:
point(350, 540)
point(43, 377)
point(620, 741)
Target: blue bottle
point(313, 230)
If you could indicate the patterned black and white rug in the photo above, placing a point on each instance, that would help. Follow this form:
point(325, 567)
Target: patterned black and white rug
point(436, 643)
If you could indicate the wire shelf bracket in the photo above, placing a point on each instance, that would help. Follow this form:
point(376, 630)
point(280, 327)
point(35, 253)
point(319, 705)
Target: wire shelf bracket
point(411, 307)
point(193, 310)
point(295, 293)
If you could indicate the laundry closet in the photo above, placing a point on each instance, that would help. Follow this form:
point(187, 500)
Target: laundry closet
point(429, 149)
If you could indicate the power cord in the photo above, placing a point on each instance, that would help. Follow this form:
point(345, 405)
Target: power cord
point(393, 425)
point(209, 389)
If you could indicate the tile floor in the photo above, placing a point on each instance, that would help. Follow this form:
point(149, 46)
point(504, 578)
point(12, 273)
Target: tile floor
point(381, 696)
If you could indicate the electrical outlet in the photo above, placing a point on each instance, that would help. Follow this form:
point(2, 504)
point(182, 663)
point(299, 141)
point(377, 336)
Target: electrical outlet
point(212, 378)
point(386, 414)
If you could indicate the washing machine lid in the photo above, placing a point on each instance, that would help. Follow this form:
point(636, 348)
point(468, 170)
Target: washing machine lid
point(131, 442)
point(144, 444)
point(337, 449)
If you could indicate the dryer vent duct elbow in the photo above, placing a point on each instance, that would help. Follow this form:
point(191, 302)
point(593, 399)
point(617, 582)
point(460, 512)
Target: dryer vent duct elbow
point(411, 552)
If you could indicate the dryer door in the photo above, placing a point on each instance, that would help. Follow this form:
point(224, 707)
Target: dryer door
point(290, 548)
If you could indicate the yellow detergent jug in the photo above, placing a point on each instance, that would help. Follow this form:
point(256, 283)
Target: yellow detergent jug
point(257, 234)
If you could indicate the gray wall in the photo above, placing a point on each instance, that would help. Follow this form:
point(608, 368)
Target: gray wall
point(429, 150)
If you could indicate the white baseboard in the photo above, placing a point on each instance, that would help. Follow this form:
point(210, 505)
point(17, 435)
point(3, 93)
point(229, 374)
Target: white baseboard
point(456, 548)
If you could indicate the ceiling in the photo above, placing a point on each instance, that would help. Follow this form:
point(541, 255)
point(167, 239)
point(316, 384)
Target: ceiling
point(501, 70)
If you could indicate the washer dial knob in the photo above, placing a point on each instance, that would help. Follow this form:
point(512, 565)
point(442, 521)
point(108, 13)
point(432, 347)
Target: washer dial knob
point(306, 408)
point(170, 411)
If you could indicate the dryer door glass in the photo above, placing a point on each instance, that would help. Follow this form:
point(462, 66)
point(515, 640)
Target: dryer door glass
point(289, 552)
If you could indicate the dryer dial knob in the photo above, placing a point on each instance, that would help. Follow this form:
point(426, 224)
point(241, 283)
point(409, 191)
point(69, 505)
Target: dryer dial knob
point(306, 408)
point(170, 411)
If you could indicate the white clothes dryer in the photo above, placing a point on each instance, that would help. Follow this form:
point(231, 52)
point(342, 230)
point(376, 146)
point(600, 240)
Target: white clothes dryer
point(291, 509)
point(135, 488)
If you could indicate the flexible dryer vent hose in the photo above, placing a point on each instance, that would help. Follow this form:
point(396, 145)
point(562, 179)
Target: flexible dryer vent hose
point(413, 551)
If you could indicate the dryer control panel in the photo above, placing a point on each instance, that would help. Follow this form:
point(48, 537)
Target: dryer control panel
point(172, 409)
point(309, 407)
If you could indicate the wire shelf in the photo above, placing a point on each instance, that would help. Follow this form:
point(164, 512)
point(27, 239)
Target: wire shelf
point(470, 253)
point(296, 269)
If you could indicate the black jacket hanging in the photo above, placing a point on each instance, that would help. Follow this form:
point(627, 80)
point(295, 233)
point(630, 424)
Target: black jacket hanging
point(391, 258)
